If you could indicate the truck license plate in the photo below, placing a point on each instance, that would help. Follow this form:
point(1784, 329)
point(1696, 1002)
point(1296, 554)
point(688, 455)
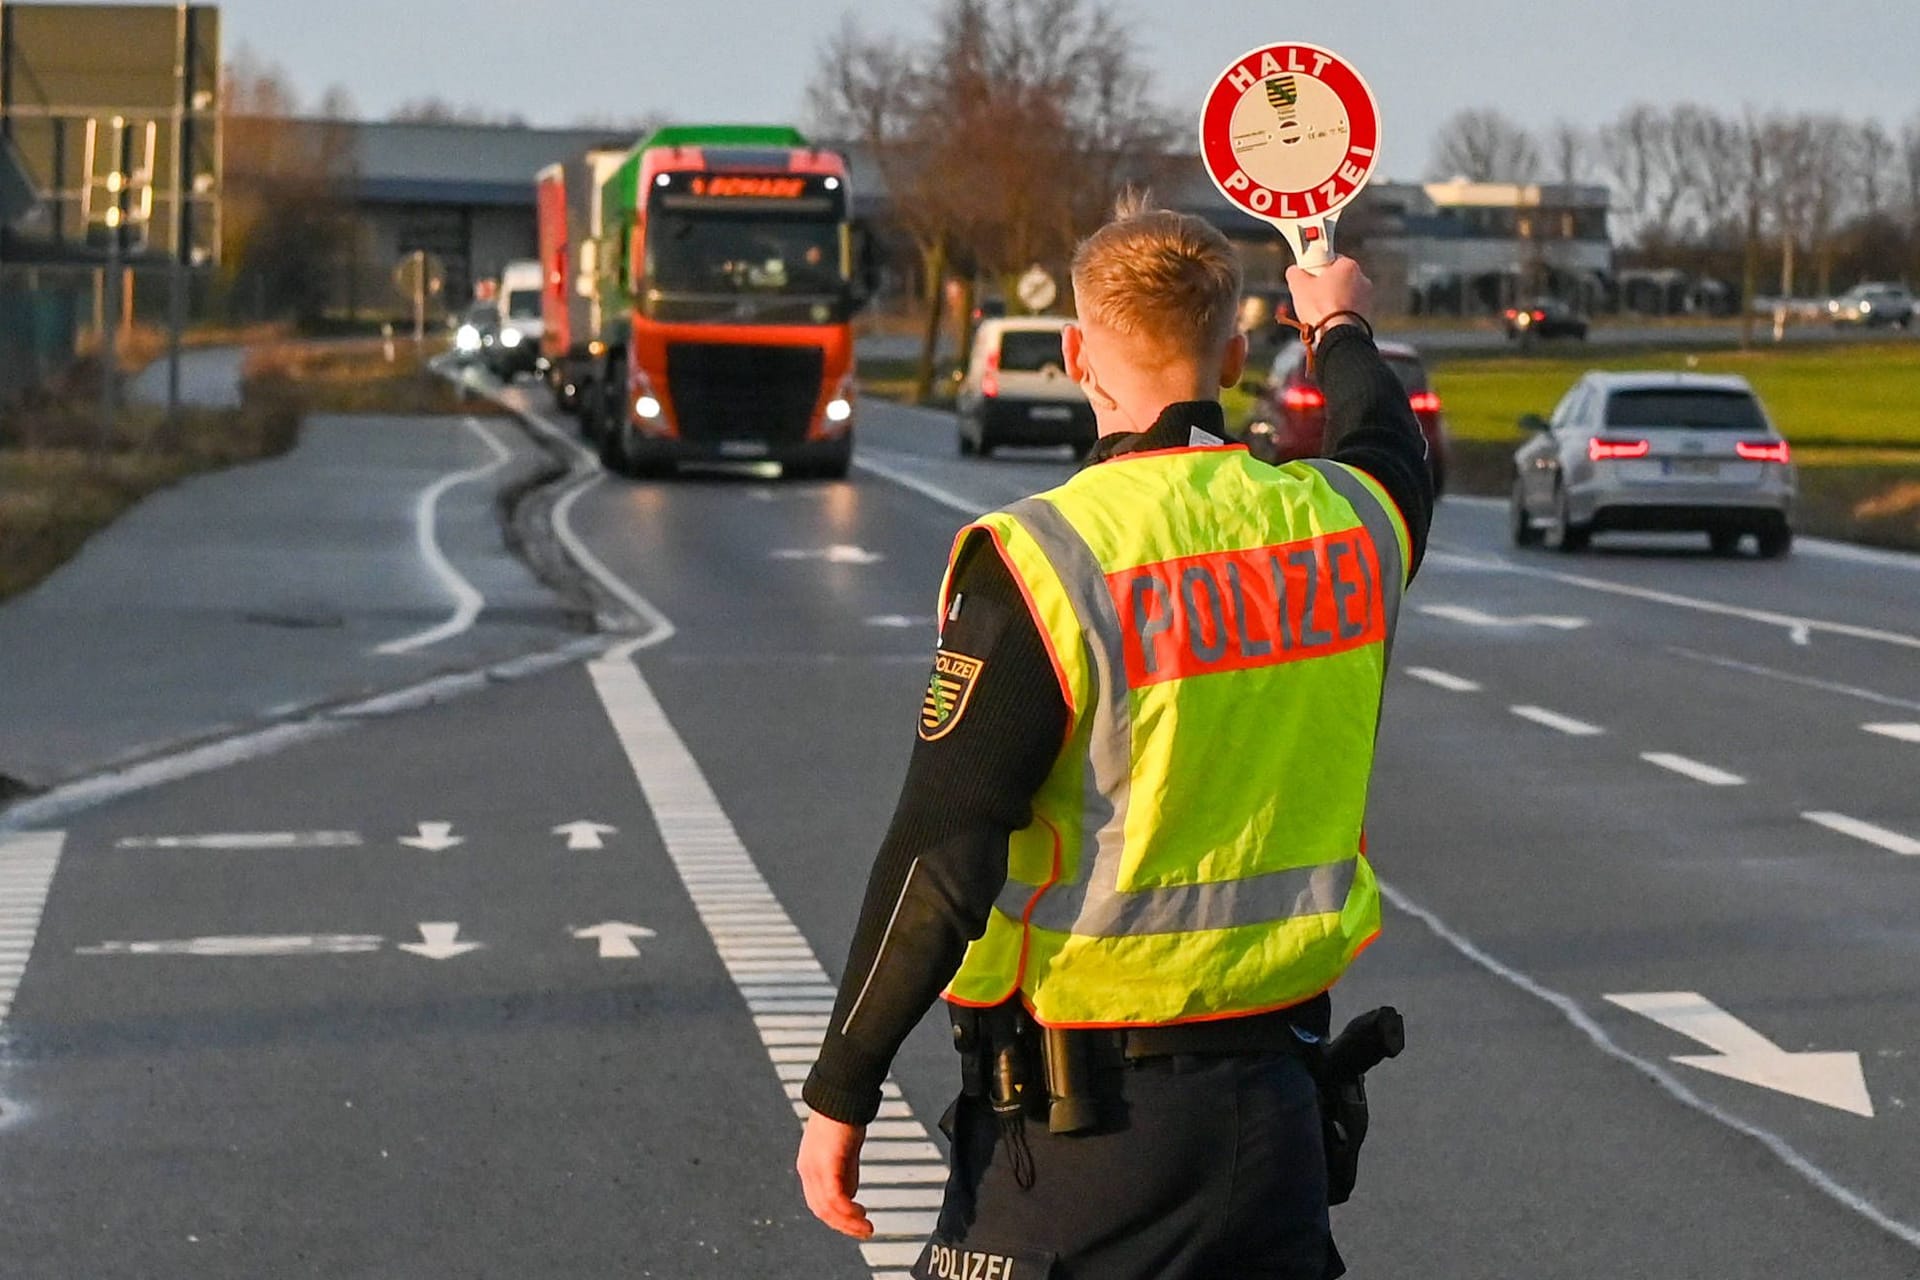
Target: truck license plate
point(743, 448)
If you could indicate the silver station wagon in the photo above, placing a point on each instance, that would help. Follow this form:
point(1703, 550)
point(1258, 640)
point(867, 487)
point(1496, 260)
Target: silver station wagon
point(1655, 452)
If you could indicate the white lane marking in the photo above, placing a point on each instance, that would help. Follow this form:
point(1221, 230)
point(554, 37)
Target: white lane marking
point(1444, 680)
point(925, 488)
point(1554, 720)
point(616, 938)
point(1480, 618)
point(1694, 769)
point(1788, 677)
point(1791, 623)
point(230, 945)
point(901, 621)
point(695, 829)
point(439, 941)
point(434, 837)
point(30, 859)
point(584, 833)
point(246, 840)
point(1891, 841)
point(467, 601)
point(655, 626)
point(1658, 1072)
point(1742, 1053)
point(1901, 732)
point(837, 553)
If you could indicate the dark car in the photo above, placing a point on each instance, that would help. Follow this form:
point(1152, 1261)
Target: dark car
point(1289, 419)
point(1544, 318)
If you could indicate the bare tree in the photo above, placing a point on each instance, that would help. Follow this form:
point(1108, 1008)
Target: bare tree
point(434, 109)
point(1569, 152)
point(1873, 158)
point(1627, 148)
point(1485, 146)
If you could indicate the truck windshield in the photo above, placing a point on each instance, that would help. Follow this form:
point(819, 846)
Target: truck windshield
point(696, 254)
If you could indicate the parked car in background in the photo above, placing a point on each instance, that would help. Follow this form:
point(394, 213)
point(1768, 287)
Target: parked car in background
point(1544, 318)
point(1016, 389)
point(1873, 303)
point(1655, 451)
point(517, 349)
point(1289, 418)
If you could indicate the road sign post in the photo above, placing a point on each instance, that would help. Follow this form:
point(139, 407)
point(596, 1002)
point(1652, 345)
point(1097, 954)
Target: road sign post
point(1289, 134)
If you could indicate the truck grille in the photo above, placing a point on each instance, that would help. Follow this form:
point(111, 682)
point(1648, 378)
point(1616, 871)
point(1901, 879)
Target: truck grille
point(738, 391)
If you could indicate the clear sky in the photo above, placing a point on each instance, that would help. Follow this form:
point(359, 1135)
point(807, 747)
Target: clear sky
point(556, 61)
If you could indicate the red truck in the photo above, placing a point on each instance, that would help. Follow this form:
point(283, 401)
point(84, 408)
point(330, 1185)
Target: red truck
point(568, 206)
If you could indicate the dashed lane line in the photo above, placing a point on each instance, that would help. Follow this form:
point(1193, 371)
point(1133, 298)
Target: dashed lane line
point(1900, 732)
point(787, 992)
point(1554, 720)
point(1891, 841)
point(467, 600)
point(1689, 768)
point(1444, 680)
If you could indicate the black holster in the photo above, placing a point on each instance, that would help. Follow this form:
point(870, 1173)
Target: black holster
point(1339, 1069)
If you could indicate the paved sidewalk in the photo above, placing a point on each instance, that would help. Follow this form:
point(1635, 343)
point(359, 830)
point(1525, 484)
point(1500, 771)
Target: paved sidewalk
point(240, 596)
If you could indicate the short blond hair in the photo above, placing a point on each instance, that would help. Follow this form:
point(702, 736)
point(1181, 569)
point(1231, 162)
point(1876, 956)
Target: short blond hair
point(1168, 279)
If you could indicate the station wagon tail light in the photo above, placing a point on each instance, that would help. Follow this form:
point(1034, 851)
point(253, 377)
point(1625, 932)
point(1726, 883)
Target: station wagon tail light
point(1764, 451)
point(1601, 449)
point(1424, 402)
point(1298, 398)
point(990, 380)
point(1539, 315)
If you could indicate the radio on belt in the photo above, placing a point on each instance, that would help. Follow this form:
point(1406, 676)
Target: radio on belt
point(1290, 134)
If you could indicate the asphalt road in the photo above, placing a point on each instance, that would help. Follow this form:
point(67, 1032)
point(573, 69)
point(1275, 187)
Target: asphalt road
point(222, 1061)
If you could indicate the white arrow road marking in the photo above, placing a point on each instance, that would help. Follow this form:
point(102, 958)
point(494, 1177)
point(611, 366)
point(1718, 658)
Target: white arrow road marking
point(433, 837)
point(246, 840)
point(1554, 720)
point(27, 863)
point(1891, 841)
point(1444, 680)
point(467, 601)
point(736, 906)
point(900, 621)
point(437, 942)
point(1741, 1053)
point(1699, 772)
point(585, 833)
point(616, 939)
point(1476, 618)
point(1903, 732)
point(838, 553)
point(283, 944)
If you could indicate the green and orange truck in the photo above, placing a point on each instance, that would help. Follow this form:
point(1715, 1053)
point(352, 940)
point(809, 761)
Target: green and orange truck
point(727, 272)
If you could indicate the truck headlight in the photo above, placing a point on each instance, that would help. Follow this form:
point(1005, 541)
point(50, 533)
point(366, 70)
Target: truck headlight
point(647, 407)
point(466, 338)
point(839, 409)
point(509, 338)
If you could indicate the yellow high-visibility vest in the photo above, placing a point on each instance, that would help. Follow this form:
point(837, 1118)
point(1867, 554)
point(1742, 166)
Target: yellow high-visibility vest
point(1220, 629)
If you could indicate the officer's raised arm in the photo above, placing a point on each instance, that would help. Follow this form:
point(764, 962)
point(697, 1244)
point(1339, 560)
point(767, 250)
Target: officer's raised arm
point(1370, 424)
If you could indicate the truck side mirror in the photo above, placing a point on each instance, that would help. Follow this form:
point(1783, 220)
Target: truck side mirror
point(865, 281)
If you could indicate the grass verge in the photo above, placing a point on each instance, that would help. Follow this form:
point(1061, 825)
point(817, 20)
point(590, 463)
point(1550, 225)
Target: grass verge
point(356, 377)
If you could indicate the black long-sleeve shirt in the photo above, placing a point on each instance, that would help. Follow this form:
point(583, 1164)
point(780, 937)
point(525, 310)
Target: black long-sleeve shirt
point(944, 857)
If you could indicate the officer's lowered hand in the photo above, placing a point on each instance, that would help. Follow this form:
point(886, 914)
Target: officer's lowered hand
point(1340, 286)
point(829, 1166)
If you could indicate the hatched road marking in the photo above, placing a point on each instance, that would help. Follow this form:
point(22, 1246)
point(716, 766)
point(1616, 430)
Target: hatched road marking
point(1699, 772)
point(1903, 732)
point(1554, 720)
point(27, 863)
point(1891, 841)
point(787, 991)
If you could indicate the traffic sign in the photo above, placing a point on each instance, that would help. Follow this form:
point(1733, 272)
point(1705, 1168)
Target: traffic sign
point(1290, 133)
point(1036, 289)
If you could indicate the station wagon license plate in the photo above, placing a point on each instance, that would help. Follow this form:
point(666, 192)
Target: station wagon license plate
point(1693, 468)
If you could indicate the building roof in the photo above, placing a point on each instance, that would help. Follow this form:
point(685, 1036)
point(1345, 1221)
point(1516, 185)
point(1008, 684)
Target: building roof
point(480, 164)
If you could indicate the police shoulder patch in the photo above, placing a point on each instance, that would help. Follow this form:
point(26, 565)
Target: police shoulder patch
point(948, 691)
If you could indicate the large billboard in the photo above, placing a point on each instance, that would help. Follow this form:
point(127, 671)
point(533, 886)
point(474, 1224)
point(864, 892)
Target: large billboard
point(98, 101)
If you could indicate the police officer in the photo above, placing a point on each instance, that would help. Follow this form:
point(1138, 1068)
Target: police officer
point(1129, 843)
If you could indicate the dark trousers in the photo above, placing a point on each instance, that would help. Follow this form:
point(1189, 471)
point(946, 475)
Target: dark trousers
point(1212, 1169)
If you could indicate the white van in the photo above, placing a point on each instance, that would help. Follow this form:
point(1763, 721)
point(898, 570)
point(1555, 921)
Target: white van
point(1017, 391)
point(516, 345)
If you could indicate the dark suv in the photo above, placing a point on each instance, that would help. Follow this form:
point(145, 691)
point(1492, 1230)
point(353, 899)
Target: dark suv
point(1544, 318)
point(1289, 419)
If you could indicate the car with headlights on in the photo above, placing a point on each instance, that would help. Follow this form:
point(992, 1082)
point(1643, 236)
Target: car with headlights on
point(1655, 452)
point(1016, 389)
point(1871, 304)
point(1544, 318)
point(516, 349)
point(474, 331)
point(1289, 417)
